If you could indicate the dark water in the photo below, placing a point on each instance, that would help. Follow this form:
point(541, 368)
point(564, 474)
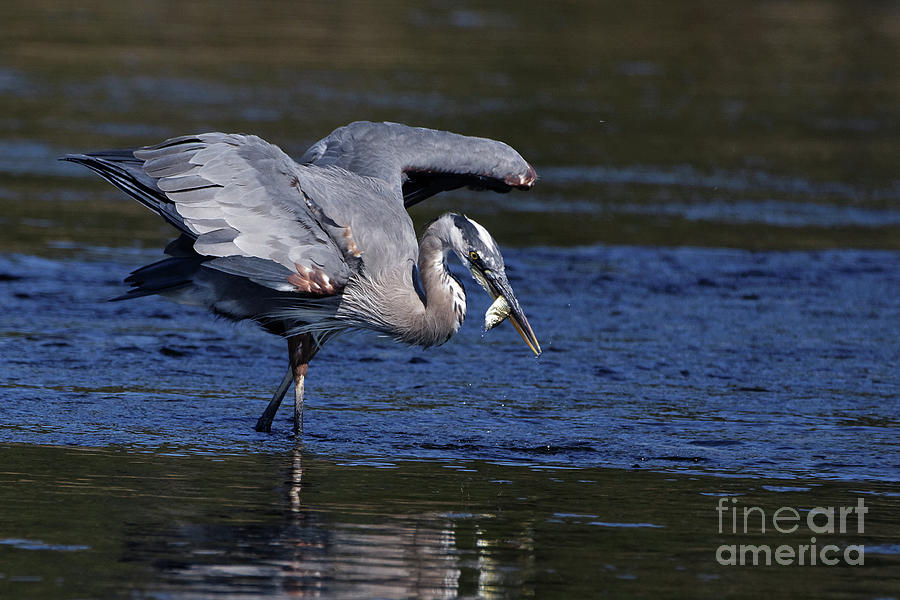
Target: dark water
point(114, 523)
point(710, 261)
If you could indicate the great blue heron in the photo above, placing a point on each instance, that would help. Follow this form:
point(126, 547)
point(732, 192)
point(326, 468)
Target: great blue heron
point(312, 249)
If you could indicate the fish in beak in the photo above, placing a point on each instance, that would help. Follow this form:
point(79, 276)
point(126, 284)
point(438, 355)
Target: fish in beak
point(477, 249)
point(505, 305)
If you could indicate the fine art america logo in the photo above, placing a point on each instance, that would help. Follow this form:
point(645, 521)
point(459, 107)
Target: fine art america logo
point(786, 520)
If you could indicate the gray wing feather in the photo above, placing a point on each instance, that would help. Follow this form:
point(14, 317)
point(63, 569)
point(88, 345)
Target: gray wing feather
point(244, 203)
point(258, 270)
point(216, 242)
point(419, 162)
point(363, 215)
point(123, 170)
point(242, 199)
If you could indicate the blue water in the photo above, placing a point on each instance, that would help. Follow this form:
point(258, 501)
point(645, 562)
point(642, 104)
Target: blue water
point(776, 364)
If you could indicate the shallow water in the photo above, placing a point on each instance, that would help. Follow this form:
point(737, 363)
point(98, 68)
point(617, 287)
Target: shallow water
point(710, 261)
point(721, 360)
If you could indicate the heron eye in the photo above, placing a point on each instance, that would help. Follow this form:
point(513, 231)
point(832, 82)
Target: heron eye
point(473, 255)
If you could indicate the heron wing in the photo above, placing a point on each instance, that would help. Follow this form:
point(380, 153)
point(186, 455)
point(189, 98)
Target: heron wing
point(241, 200)
point(421, 162)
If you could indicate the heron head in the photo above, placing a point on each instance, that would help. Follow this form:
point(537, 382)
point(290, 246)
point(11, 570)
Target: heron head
point(477, 249)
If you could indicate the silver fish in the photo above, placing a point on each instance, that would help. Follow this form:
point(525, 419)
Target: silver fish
point(497, 313)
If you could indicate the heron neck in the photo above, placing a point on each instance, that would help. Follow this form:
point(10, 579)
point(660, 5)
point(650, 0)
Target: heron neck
point(387, 301)
point(445, 298)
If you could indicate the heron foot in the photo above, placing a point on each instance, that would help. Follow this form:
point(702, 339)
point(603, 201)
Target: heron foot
point(264, 423)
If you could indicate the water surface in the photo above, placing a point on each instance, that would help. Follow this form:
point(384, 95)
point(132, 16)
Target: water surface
point(114, 523)
point(727, 360)
point(710, 260)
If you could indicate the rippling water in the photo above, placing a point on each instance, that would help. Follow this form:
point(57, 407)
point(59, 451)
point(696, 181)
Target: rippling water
point(710, 261)
point(723, 360)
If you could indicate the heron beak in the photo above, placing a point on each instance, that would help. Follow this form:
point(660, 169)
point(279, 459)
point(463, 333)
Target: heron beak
point(498, 287)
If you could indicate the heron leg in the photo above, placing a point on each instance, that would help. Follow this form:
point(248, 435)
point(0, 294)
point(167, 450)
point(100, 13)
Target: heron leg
point(300, 349)
point(264, 423)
